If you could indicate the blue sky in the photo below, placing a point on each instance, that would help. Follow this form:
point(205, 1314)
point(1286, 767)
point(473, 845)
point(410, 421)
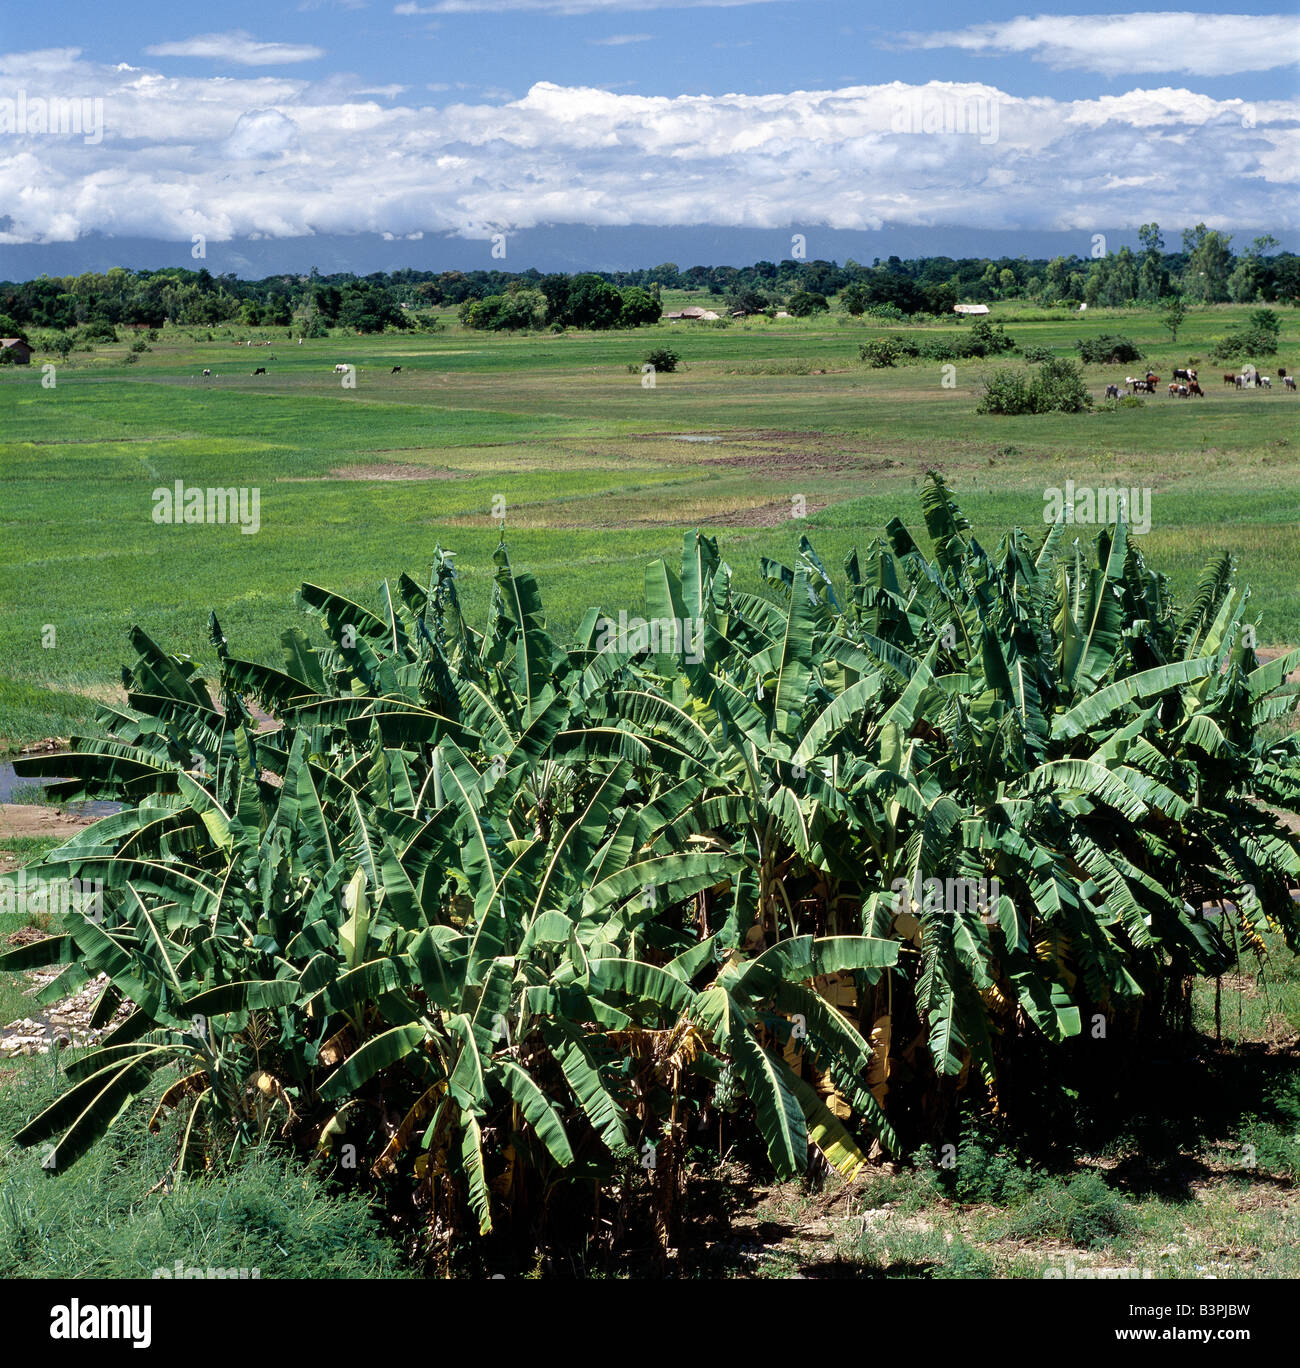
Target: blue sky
point(648, 48)
point(252, 121)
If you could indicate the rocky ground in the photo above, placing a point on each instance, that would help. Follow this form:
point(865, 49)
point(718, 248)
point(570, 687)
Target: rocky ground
point(64, 1023)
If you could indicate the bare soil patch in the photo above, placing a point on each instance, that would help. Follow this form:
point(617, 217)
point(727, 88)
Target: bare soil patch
point(29, 819)
point(760, 515)
point(380, 470)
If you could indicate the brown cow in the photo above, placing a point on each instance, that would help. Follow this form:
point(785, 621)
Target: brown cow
point(1194, 388)
point(1229, 378)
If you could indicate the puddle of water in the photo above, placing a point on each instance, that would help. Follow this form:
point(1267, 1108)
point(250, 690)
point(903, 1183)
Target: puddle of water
point(15, 788)
point(692, 437)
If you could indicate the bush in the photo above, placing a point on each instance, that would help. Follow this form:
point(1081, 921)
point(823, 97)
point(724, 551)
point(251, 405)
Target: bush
point(1037, 355)
point(805, 303)
point(984, 339)
point(97, 330)
point(140, 346)
point(1058, 387)
point(988, 1172)
point(881, 352)
point(1258, 338)
point(1108, 349)
point(1083, 1210)
point(663, 360)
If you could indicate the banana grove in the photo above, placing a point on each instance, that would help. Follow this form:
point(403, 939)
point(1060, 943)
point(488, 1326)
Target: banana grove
point(494, 921)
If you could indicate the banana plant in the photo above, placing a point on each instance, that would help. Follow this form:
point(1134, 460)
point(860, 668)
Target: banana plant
point(482, 905)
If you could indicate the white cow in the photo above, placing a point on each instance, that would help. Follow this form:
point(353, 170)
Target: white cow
point(341, 368)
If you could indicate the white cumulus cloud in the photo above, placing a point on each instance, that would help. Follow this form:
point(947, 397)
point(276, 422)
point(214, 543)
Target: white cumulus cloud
point(271, 155)
point(1136, 43)
point(238, 47)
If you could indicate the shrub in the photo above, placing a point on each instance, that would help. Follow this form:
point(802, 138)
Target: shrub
point(97, 330)
point(1037, 355)
point(1258, 338)
point(988, 1172)
point(1108, 349)
point(805, 303)
point(984, 339)
point(1058, 387)
point(881, 352)
point(663, 359)
point(1083, 1210)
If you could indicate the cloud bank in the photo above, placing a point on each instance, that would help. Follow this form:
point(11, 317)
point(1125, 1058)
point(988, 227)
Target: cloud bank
point(267, 155)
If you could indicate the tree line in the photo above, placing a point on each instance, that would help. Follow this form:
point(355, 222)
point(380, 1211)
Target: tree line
point(1205, 270)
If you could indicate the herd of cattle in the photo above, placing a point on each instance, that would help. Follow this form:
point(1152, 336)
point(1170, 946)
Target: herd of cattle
point(1185, 383)
point(1183, 386)
point(341, 369)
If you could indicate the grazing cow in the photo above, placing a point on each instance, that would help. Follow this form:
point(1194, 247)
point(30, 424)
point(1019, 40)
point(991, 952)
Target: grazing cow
point(340, 368)
point(1266, 382)
point(1173, 390)
point(1194, 388)
point(397, 370)
point(207, 372)
point(1229, 378)
point(1112, 391)
point(1152, 378)
point(1281, 370)
point(1183, 374)
point(1289, 381)
point(261, 370)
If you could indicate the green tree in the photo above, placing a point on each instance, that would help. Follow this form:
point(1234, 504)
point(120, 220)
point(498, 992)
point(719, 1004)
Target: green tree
point(592, 303)
point(855, 298)
point(1209, 261)
point(1056, 282)
point(805, 303)
point(1174, 312)
point(639, 306)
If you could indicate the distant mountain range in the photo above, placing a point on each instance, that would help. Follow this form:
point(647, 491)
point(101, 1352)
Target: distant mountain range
point(569, 248)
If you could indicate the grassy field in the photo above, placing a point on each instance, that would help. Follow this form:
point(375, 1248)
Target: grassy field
point(1191, 1173)
point(589, 464)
